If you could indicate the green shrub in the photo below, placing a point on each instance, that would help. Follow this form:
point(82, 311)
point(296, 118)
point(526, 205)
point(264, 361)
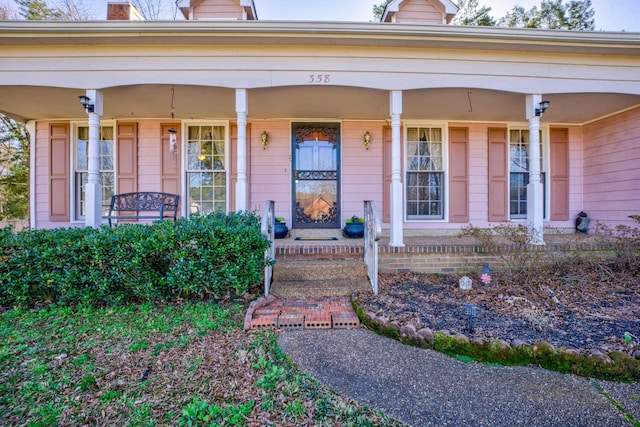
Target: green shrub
point(210, 255)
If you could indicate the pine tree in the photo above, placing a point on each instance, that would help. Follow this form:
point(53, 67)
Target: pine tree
point(553, 14)
point(38, 10)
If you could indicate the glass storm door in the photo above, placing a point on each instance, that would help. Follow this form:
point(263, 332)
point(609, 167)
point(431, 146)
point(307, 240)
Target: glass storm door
point(316, 180)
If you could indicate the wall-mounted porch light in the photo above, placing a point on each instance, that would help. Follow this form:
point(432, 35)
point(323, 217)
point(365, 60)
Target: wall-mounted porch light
point(86, 103)
point(264, 137)
point(542, 108)
point(367, 140)
point(172, 140)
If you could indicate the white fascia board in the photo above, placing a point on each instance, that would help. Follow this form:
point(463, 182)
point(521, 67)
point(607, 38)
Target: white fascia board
point(43, 33)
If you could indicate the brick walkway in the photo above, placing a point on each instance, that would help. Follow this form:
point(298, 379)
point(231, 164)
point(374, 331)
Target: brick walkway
point(301, 313)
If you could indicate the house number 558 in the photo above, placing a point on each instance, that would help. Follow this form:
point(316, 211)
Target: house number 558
point(319, 78)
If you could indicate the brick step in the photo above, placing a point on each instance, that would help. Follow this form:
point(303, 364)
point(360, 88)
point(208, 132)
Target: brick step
point(301, 313)
point(325, 270)
point(335, 287)
point(319, 277)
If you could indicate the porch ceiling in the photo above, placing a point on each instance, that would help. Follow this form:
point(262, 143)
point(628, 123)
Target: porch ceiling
point(308, 102)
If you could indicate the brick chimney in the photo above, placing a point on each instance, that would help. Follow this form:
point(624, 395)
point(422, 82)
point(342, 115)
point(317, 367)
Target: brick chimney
point(123, 11)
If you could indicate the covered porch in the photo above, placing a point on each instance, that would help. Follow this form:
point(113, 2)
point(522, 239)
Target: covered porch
point(260, 144)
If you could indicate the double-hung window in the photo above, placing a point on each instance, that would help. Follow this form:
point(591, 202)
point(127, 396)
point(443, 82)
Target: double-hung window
point(519, 164)
point(206, 169)
point(107, 172)
point(425, 173)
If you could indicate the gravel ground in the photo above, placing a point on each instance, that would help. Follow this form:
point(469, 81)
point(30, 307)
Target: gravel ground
point(425, 388)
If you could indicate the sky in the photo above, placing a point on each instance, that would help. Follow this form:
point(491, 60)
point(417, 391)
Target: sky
point(611, 15)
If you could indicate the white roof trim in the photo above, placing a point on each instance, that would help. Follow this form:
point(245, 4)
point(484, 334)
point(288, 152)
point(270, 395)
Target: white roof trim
point(449, 7)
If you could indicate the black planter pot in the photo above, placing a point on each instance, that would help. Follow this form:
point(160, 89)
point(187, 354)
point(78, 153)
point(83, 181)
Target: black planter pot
point(353, 231)
point(281, 230)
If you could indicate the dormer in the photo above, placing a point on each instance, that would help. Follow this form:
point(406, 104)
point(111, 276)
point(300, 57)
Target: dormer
point(420, 11)
point(240, 10)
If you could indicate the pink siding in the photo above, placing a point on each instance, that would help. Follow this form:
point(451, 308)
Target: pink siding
point(149, 156)
point(171, 169)
point(575, 176)
point(271, 168)
point(610, 143)
point(478, 173)
point(420, 11)
point(611, 174)
point(218, 9)
point(362, 176)
point(42, 177)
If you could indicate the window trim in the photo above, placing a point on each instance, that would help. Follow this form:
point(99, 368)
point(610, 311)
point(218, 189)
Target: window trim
point(545, 166)
point(444, 127)
point(185, 124)
point(73, 197)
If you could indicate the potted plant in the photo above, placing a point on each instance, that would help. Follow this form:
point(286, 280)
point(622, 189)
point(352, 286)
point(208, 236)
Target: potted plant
point(354, 228)
point(280, 230)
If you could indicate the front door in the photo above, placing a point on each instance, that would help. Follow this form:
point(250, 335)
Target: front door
point(316, 177)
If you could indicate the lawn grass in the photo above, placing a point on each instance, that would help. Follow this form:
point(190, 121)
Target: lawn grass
point(184, 364)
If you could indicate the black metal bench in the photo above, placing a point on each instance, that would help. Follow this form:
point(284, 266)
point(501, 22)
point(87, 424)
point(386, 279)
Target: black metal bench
point(143, 205)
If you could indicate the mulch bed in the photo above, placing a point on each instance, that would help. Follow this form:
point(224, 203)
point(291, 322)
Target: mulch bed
point(593, 306)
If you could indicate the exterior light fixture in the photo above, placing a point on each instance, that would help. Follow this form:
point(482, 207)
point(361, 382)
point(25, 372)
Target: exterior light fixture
point(86, 103)
point(264, 136)
point(172, 140)
point(542, 108)
point(367, 140)
point(472, 313)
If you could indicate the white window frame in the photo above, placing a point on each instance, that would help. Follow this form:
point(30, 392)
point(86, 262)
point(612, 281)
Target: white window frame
point(75, 215)
point(186, 210)
point(444, 127)
point(544, 168)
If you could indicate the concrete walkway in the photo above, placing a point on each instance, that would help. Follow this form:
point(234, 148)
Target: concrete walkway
point(425, 388)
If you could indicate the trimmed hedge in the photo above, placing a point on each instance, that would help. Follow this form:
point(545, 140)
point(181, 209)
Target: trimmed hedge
point(214, 255)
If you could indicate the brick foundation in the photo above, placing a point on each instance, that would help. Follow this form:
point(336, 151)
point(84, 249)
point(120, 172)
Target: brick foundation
point(467, 258)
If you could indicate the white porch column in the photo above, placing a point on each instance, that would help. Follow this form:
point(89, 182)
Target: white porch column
point(93, 195)
point(241, 183)
point(535, 192)
point(397, 191)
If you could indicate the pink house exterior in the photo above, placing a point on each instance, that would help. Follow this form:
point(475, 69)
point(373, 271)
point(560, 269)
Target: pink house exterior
point(262, 110)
